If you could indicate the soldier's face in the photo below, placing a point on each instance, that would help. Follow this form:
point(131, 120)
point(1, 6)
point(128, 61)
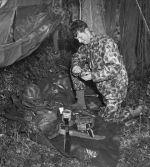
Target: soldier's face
point(84, 37)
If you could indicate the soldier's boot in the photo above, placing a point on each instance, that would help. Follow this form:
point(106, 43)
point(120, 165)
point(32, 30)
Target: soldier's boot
point(80, 100)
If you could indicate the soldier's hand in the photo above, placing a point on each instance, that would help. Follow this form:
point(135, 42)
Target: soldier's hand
point(76, 70)
point(86, 76)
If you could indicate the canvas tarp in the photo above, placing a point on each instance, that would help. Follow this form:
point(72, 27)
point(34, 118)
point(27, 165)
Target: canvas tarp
point(23, 26)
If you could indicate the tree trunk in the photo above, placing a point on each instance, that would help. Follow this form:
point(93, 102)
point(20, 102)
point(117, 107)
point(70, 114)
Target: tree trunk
point(128, 31)
point(110, 16)
point(92, 14)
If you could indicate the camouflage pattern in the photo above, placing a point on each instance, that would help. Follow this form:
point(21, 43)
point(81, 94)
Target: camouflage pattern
point(101, 56)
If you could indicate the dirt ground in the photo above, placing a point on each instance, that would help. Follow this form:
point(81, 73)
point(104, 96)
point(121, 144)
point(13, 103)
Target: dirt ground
point(21, 143)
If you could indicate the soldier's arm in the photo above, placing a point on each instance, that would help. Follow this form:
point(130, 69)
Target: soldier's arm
point(111, 64)
point(79, 57)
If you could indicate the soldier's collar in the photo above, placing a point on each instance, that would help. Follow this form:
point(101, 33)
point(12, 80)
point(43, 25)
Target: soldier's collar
point(93, 37)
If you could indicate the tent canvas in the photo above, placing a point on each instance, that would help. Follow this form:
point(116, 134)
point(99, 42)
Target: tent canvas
point(23, 26)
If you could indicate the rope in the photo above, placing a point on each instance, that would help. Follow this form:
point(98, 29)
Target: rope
point(148, 29)
point(80, 6)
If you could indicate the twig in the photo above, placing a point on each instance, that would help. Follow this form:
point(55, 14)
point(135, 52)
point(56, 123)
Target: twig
point(148, 29)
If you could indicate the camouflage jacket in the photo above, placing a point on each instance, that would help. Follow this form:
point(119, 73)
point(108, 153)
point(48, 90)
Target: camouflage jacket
point(102, 57)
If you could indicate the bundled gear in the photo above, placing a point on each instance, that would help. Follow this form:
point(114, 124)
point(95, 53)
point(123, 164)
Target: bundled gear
point(40, 117)
point(32, 96)
point(32, 91)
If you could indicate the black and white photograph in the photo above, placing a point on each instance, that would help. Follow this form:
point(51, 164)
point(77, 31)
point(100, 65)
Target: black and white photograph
point(74, 83)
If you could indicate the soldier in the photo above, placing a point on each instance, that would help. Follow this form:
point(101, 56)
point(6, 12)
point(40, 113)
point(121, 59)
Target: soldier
point(99, 60)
